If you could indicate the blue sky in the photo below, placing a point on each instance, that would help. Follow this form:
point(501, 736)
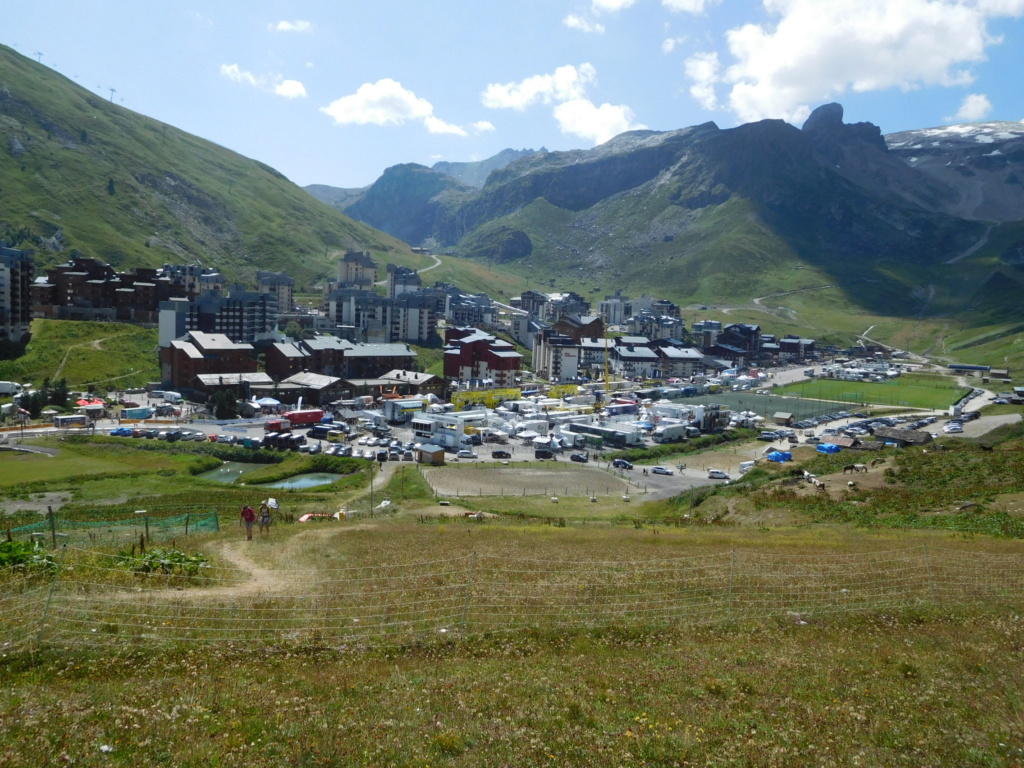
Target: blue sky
point(334, 92)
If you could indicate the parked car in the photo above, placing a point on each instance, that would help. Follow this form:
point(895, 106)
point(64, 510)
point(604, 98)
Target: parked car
point(661, 471)
point(622, 464)
point(501, 455)
point(581, 458)
point(717, 474)
point(465, 453)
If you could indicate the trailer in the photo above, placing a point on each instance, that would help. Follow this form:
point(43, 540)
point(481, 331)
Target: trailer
point(306, 416)
point(277, 425)
point(139, 413)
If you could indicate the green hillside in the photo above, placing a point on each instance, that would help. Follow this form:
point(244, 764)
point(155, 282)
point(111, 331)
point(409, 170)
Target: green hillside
point(133, 191)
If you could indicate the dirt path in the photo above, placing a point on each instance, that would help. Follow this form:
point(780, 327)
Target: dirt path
point(260, 579)
point(981, 242)
point(95, 344)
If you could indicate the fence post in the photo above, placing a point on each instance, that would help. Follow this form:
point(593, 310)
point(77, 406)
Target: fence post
point(931, 578)
point(732, 570)
point(53, 526)
point(186, 523)
point(469, 588)
point(49, 597)
point(216, 521)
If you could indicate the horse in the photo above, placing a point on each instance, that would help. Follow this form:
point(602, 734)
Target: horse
point(820, 485)
point(850, 468)
point(860, 467)
point(876, 462)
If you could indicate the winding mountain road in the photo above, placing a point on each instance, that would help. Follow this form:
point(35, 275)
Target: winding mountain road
point(435, 265)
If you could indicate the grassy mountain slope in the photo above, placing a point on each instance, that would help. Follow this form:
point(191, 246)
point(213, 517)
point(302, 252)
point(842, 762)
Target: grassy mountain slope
point(132, 191)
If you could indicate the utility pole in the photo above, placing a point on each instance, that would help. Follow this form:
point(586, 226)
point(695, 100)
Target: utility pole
point(112, 92)
point(39, 57)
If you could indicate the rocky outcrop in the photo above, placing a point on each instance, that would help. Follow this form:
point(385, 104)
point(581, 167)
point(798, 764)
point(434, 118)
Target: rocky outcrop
point(981, 163)
point(407, 201)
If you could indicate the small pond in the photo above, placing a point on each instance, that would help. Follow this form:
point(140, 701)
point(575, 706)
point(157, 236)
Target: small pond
point(307, 480)
point(229, 471)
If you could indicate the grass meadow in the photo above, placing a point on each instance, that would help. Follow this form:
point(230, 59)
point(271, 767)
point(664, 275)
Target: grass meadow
point(106, 355)
point(917, 684)
point(529, 639)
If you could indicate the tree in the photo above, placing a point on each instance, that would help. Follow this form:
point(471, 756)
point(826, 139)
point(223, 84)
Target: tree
point(293, 330)
point(222, 405)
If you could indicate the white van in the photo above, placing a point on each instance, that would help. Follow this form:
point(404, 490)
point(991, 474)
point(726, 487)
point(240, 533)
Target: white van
point(746, 466)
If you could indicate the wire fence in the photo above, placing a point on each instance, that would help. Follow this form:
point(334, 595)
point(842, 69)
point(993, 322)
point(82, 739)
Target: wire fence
point(89, 600)
point(55, 530)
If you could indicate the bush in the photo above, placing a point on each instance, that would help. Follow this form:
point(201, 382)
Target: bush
point(168, 561)
point(23, 556)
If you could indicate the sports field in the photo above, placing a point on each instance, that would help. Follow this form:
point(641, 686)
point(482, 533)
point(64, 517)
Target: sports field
point(931, 392)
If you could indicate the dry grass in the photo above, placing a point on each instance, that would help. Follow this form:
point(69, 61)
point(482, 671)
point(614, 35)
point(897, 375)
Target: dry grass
point(523, 480)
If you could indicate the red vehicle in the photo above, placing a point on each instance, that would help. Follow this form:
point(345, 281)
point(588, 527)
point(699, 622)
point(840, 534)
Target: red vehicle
point(277, 425)
point(309, 416)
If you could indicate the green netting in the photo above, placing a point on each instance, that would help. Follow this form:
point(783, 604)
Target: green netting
point(166, 526)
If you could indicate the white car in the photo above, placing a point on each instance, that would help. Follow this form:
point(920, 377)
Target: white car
point(466, 454)
point(717, 474)
point(661, 471)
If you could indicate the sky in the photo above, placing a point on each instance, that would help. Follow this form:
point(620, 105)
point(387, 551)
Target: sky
point(335, 91)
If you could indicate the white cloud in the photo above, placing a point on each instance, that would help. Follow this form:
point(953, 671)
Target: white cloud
point(482, 126)
point(689, 6)
point(437, 125)
point(670, 44)
point(975, 107)
point(276, 84)
point(579, 117)
point(610, 6)
point(292, 26)
point(703, 69)
point(572, 21)
point(566, 89)
point(564, 84)
point(234, 72)
point(387, 102)
point(290, 89)
point(816, 51)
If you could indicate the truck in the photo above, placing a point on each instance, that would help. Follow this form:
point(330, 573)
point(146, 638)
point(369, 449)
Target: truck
point(276, 425)
point(306, 416)
point(142, 412)
point(671, 433)
point(10, 388)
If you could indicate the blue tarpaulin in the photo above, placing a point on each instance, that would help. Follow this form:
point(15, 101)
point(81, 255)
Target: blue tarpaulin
point(780, 456)
point(828, 448)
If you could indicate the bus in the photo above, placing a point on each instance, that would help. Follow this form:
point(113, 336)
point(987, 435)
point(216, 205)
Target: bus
point(70, 421)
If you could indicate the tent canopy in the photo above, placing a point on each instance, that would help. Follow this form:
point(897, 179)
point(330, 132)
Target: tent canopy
point(268, 401)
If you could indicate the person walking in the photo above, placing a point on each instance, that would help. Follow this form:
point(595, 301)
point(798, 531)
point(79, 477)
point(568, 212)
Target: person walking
point(265, 518)
point(248, 518)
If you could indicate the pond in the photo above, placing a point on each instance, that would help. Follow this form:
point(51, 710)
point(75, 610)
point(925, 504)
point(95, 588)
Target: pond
point(307, 480)
point(229, 471)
